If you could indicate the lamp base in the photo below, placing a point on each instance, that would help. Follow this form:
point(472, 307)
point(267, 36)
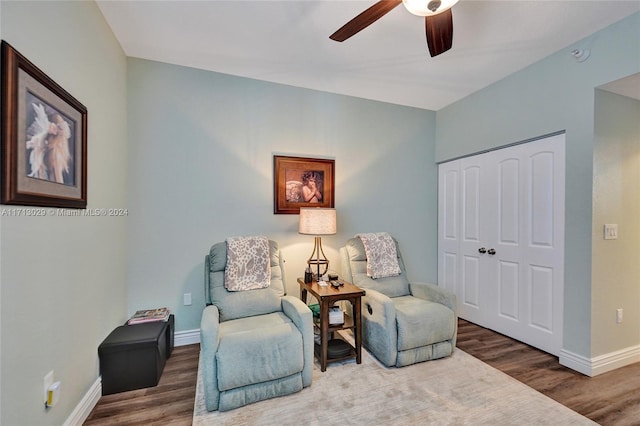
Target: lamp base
point(320, 260)
point(319, 268)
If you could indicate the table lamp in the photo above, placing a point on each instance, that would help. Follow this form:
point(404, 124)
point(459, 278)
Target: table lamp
point(317, 221)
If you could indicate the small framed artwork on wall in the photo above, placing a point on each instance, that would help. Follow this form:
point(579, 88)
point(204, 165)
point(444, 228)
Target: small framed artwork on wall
point(302, 182)
point(44, 138)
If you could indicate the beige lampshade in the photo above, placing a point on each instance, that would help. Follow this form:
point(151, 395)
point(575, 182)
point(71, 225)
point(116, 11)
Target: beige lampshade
point(317, 221)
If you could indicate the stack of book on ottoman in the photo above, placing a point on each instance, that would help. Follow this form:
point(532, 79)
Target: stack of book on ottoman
point(149, 315)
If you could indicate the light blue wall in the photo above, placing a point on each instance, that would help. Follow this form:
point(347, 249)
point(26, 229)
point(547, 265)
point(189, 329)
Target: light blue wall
point(63, 279)
point(201, 148)
point(554, 94)
point(190, 152)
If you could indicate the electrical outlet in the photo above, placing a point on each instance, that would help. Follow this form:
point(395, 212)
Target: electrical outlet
point(48, 381)
point(611, 231)
point(187, 299)
point(619, 315)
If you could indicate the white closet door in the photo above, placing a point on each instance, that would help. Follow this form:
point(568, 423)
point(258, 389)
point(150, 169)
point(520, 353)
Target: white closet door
point(501, 239)
point(448, 225)
point(542, 255)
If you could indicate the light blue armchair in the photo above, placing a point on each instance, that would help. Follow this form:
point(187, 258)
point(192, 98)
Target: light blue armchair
point(255, 344)
point(402, 323)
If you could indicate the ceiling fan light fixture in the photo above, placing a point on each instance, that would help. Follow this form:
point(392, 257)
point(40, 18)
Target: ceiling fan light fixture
point(428, 7)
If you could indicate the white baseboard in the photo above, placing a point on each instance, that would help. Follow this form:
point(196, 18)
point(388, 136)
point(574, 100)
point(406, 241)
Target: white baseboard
point(91, 398)
point(187, 337)
point(575, 362)
point(83, 409)
point(602, 363)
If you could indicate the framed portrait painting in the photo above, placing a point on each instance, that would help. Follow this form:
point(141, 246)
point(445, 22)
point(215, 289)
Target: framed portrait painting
point(302, 182)
point(44, 138)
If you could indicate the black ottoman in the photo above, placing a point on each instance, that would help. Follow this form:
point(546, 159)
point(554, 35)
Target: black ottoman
point(170, 334)
point(133, 356)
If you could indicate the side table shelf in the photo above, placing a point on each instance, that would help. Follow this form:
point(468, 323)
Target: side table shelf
point(327, 296)
point(349, 324)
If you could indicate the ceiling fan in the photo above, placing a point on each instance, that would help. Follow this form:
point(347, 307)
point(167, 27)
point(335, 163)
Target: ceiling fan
point(437, 16)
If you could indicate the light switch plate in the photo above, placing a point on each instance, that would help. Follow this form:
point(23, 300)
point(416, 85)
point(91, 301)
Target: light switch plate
point(610, 231)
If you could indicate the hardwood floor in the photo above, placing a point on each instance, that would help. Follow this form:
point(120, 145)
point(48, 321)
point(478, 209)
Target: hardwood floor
point(169, 403)
point(610, 399)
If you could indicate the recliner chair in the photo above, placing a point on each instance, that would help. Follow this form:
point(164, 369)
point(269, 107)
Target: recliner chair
point(255, 344)
point(402, 323)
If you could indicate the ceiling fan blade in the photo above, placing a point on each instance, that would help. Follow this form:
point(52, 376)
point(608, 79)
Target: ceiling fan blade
point(439, 32)
point(364, 19)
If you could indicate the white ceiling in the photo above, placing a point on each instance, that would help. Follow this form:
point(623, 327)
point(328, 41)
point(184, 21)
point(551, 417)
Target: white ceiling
point(288, 42)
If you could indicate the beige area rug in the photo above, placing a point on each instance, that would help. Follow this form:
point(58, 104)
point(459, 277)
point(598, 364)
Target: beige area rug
point(459, 390)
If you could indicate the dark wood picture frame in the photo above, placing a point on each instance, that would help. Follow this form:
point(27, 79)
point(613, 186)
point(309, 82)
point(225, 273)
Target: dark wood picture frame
point(302, 182)
point(43, 138)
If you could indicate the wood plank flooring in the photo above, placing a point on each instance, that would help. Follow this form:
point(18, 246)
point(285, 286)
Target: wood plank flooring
point(169, 403)
point(610, 399)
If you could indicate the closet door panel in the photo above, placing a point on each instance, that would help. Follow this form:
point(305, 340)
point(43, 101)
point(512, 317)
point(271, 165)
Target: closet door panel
point(543, 253)
point(501, 239)
point(475, 305)
point(509, 206)
point(450, 198)
point(471, 204)
point(542, 205)
point(541, 297)
point(470, 285)
point(449, 225)
point(509, 296)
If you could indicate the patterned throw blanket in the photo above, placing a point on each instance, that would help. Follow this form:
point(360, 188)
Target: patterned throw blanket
point(382, 257)
point(248, 265)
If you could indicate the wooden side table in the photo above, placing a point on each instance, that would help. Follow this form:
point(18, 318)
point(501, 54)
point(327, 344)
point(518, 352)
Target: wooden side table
point(327, 296)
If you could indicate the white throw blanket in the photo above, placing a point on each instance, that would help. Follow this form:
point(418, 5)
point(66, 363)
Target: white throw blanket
point(248, 265)
point(382, 257)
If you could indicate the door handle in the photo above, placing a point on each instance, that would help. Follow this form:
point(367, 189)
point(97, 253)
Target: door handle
point(491, 252)
point(482, 250)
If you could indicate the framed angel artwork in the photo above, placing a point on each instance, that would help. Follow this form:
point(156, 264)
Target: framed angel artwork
point(302, 182)
point(44, 138)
